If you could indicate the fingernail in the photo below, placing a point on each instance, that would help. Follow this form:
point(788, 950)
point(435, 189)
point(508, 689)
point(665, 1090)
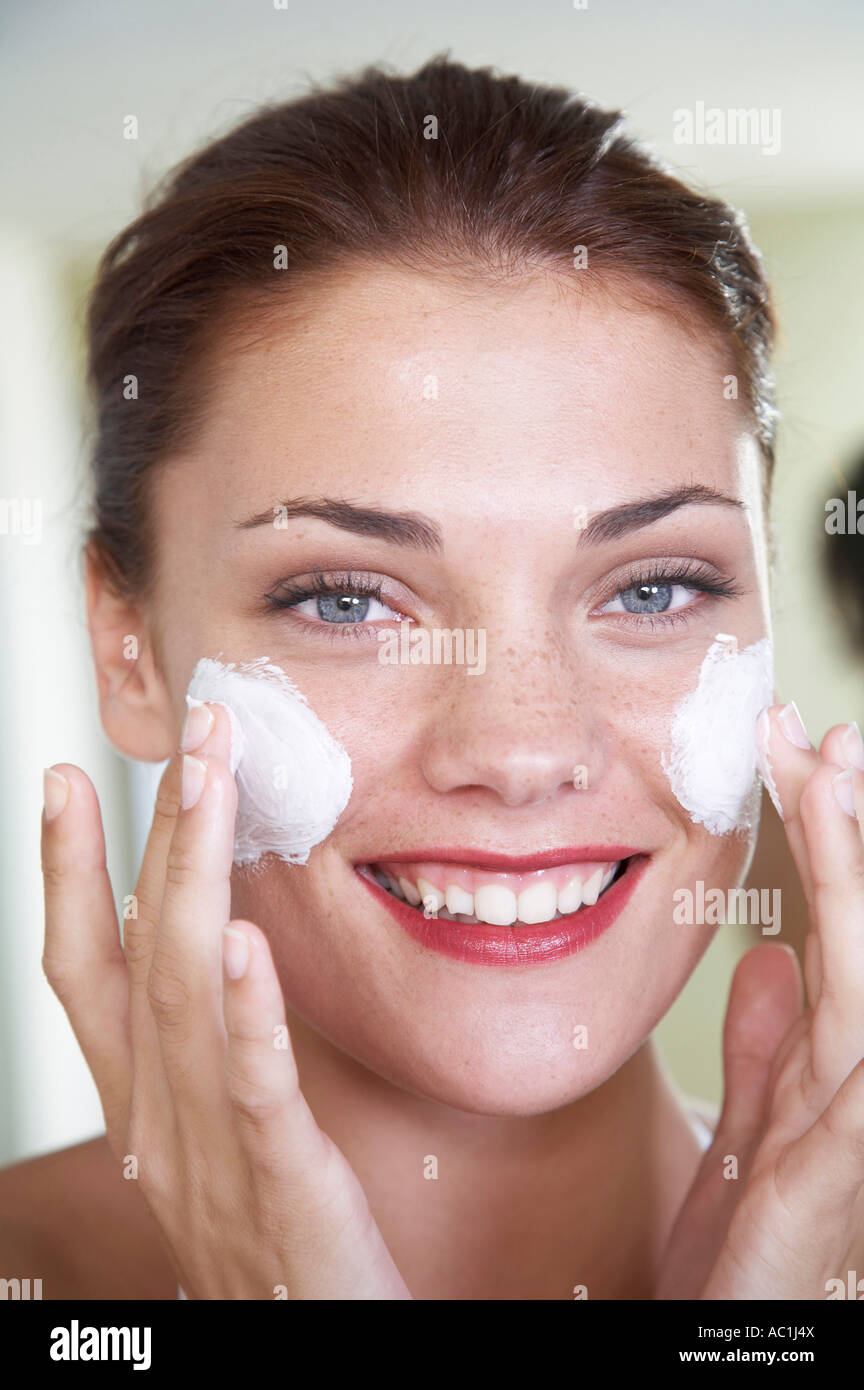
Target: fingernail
point(853, 745)
point(192, 781)
point(793, 726)
point(842, 785)
point(235, 953)
point(55, 792)
point(196, 727)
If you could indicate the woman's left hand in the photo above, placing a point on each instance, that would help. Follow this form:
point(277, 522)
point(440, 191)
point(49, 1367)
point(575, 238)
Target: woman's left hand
point(777, 1207)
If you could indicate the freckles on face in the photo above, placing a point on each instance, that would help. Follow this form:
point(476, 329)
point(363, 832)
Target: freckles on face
point(536, 412)
point(689, 731)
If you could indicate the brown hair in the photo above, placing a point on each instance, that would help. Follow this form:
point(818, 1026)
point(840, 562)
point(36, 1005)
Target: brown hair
point(451, 169)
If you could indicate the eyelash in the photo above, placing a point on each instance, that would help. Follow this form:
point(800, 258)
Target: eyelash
point(288, 594)
point(667, 573)
point(699, 576)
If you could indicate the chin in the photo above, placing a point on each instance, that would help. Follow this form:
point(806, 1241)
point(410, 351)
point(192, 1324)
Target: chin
point(513, 1061)
point(490, 1091)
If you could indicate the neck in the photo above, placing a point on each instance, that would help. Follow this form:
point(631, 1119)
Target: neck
point(511, 1207)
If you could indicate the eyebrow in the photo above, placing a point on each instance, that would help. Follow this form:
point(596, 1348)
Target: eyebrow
point(609, 525)
point(421, 532)
point(400, 528)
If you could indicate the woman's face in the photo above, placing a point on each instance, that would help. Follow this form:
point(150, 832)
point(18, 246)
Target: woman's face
point(504, 418)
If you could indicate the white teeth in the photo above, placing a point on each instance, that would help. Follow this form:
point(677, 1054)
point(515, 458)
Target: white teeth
point(570, 896)
point(591, 888)
point(459, 901)
point(537, 903)
point(495, 905)
point(410, 892)
point(430, 896)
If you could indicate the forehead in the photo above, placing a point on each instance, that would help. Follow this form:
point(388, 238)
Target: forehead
point(384, 375)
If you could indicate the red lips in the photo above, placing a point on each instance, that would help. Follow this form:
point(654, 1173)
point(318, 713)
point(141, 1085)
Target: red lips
point(519, 945)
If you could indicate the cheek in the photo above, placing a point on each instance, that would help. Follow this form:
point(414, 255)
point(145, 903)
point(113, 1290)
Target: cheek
point(712, 762)
point(682, 735)
point(382, 723)
point(293, 778)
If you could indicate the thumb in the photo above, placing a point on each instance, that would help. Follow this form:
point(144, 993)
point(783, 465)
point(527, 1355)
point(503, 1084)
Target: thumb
point(765, 1001)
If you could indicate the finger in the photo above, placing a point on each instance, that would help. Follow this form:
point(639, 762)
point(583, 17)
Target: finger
point(278, 1132)
point(298, 1173)
point(83, 958)
point(203, 732)
point(787, 759)
point(813, 966)
point(836, 850)
point(184, 985)
point(151, 1084)
point(823, 1172)
point(842, 745)
point(797, 1220)
point(151, 1092)
point(765, 1002)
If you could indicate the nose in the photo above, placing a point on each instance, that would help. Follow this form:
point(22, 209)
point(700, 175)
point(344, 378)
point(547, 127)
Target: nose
point(521, 731)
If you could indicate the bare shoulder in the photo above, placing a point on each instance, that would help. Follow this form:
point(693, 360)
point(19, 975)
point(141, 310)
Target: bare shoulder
point(71, 1219)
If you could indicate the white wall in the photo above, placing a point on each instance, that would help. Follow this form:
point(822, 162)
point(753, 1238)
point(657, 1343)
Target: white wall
point(47, 697)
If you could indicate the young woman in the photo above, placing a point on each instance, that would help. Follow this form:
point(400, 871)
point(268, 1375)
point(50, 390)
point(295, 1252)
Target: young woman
point(495, 370)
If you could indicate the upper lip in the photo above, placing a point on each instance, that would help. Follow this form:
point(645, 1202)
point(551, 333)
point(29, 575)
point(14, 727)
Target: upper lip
point(506, 863)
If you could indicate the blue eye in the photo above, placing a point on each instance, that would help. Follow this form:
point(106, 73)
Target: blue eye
point(338, 600)
point(649, 598)
point(665, 594)
point(345, 607)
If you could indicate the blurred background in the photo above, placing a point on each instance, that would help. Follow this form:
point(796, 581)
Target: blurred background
point(71, 75)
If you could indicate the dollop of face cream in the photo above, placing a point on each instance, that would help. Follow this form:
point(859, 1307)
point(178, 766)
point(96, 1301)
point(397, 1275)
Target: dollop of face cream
point(714, 761)
point(293, 778)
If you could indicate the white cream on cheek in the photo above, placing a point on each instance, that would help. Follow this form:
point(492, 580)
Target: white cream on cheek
point(714, 760)
point(293, 778)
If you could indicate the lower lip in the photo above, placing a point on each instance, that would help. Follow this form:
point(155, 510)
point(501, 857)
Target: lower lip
point(518, 945)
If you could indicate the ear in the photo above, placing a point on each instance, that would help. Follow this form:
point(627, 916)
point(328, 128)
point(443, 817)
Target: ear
point(134, 703)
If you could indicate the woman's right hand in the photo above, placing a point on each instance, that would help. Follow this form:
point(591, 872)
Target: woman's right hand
point(180, 1030)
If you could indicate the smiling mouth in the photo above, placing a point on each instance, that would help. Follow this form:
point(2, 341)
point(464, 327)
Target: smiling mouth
point(477, 897)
